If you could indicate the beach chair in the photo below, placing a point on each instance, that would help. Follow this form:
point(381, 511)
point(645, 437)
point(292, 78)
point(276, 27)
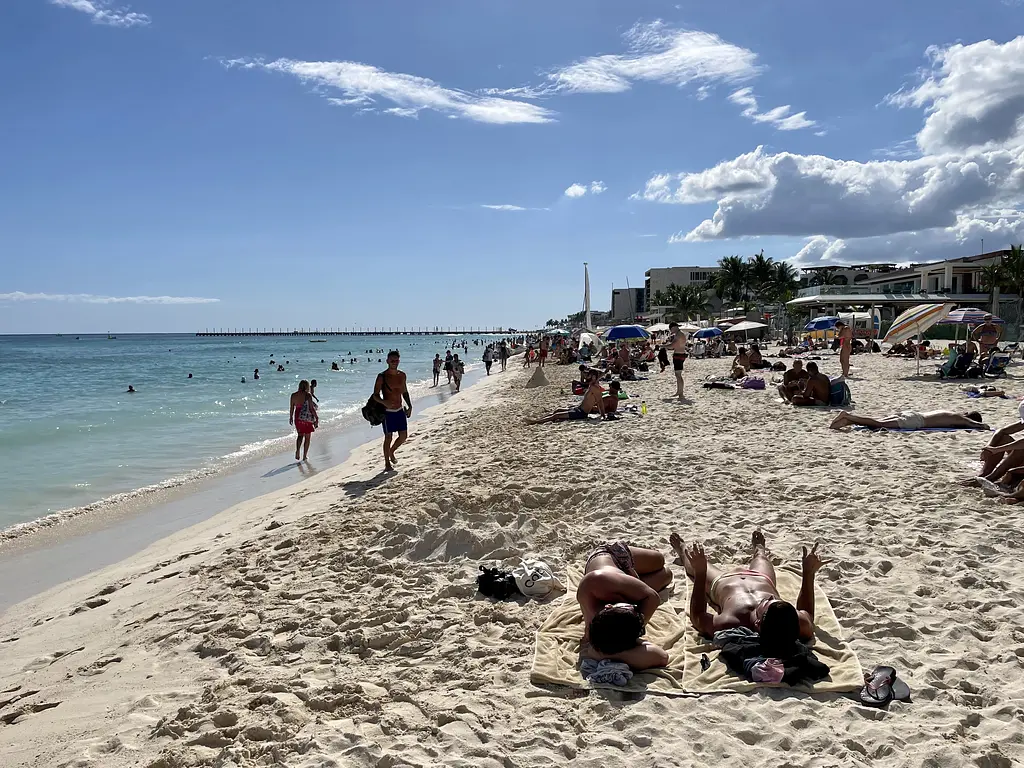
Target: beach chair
point(1013, 349)
point(956, 366)
point(997, 364)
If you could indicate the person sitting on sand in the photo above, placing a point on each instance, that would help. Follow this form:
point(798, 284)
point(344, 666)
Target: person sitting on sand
point(748, 597)
point(1003, 454)
point(815, 390)
point(912, 420)
point(793, 380)
point(593, 401)
point(742, 359)
point(611, 400)
point(754, 356)
point(618, 594)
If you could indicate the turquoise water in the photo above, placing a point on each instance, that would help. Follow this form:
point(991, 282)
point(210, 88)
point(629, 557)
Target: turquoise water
point(71, 439)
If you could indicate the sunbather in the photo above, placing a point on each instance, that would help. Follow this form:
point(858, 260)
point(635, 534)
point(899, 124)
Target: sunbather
point(618, 594)
point(748, 597)
point(1002, 454)
point(815, 389)
point(593, 400)
point(912, 420)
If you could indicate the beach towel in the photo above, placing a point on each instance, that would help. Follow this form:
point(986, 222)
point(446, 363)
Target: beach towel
point(556, 652)
point(860, 428)
point(829, 646)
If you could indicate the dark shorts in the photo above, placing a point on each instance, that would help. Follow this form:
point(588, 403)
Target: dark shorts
point(576, 413)
point(620, 554)
point(395, 421)
point(678, 360)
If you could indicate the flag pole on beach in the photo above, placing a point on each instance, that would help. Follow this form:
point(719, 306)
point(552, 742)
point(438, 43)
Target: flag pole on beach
point(587, 325)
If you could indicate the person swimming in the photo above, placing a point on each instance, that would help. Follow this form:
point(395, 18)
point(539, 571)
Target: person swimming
point(256, 374)
point(131, 389)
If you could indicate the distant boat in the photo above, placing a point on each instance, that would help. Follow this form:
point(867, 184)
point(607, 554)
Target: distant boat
point(110, 337)
point(318, 341)
point(59, 335)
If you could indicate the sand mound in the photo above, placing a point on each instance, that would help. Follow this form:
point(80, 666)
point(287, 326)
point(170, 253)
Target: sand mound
point(538, 379)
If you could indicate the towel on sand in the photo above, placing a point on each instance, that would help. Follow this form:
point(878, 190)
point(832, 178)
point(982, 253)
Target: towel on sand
point(860, 428)
point(556, 653)
point(829, 646)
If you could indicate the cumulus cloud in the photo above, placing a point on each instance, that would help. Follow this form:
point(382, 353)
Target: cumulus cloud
point(366, 87)
point(973, 97)
point(89, 298)
point(579, 190)
point(965, 182)
point(103, 12)
point(779, 117)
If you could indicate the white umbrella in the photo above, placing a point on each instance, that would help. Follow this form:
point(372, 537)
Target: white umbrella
point(746, 325)
point(657, 328)
point(687, 328)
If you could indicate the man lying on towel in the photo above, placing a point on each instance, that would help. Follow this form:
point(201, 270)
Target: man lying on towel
point(747, 600)
point(913, 420)
point(618, 594)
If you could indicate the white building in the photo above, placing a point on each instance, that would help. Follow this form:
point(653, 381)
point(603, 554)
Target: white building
point(660, 278)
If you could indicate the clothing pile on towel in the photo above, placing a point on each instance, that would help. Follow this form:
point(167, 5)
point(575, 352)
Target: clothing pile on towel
point(605, 671)
point(741, 651)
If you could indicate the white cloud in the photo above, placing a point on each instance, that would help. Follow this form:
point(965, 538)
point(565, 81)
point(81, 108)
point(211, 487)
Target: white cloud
point(973, 96)
point(965, 183)
point(507, 207)
point(364, 86)
point(656, 53)
point(88, 298)
point(103, 12)
point(779, 117)
point(579, 190)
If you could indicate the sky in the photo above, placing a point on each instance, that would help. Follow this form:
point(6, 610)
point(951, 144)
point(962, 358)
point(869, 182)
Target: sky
point(197, 164)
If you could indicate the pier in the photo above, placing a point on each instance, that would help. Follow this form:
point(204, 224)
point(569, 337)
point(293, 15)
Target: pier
point(318, 332)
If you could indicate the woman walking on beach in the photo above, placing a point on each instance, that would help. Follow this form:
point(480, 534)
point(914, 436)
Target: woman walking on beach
point(302, 413)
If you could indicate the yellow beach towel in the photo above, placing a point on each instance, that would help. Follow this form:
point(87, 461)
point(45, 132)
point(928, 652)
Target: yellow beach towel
point(829, 646)
point(556, 653)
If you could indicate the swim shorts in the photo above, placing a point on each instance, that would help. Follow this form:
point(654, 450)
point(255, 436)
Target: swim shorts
point(620, 554)
point(395, 421)
point(678, 359)
point(576, 413)
point(910, 420)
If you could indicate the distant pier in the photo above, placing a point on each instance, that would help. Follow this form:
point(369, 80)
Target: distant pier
point(350, 332)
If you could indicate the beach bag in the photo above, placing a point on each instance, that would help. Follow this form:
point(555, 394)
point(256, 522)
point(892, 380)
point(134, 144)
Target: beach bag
point(839, 393)
point(752, 382)
point(306, 412)
point(534, 578)
point(374, 412)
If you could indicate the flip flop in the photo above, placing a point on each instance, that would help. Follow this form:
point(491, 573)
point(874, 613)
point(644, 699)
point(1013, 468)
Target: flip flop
point(878, 687)
point(900, 690)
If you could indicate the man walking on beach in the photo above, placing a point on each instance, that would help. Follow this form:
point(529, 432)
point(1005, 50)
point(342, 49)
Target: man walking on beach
point(503, 354)
point(389, 390)
point(448, 365)
point(437, 369)
point(677, 343)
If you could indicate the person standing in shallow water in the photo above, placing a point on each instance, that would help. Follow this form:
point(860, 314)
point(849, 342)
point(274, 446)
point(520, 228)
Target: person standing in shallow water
point(302, 413)
point(390, 389)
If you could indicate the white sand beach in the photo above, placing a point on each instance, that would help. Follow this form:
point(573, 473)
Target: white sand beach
point(337, 622)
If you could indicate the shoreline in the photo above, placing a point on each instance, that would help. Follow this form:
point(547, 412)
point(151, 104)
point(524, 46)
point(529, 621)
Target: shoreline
point(61, 547)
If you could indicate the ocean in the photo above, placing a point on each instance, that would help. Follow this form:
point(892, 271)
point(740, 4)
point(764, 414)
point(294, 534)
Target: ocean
point(72, 440)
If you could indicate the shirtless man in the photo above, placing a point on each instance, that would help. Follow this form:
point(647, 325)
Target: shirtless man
point(748, 597)
point(816, 388)
point(912, 420)
point(677, 343)
point(593, 401)
point(987, 335)
point(545, 344)
point(618, 594)
point(389, 390)
point(793, 380)
point(845, 345)
point(1002, 454)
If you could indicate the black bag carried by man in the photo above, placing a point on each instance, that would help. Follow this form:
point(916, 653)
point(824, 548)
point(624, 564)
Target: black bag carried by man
point(374, 412)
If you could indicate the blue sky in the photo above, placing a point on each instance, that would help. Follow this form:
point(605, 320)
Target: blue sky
point(323, 163)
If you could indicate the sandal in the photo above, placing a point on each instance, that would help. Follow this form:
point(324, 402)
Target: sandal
point(878, 687)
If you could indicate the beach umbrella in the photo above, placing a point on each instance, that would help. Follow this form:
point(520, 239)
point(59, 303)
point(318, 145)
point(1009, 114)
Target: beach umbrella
point(822, 324)
point(558, 332)
point(626, 333)
point(688, 328)
point(657, 328)
point(968, 316)
point(914, 322)
point(707, 333)
point(746, 325)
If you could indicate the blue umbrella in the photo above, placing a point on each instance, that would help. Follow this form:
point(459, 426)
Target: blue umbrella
point(707, 333)
point(626, 333)
point(822, 324)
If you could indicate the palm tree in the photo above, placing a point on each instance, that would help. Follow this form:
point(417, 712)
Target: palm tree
point(1013, 277)
point(825, 276)
point(991, 277)
point(759, 273)
point(732, 278)
point(783, 286)
point(686, 301)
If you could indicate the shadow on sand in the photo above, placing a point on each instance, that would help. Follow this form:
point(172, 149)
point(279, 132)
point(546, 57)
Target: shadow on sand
point(356, 488)
point(285, 468)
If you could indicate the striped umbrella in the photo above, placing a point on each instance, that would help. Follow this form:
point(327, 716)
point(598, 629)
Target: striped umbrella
point(914, 322)
point(968, 316)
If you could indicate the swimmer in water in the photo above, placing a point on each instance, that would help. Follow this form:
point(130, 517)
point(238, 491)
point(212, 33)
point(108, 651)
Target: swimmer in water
point(256, 374)
point(131, 389)
point(190, 375)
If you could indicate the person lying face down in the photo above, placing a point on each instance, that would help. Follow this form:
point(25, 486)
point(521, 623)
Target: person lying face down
point(618, 594)
point(748, 597)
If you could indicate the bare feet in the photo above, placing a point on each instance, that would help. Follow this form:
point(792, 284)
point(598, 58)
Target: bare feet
point(839, 421)
point(990, 488)
point(678, 546)
point(297, 456)
point(970, 482)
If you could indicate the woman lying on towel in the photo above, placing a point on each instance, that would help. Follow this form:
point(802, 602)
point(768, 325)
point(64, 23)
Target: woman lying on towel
point(910, 420)
point(618, 594)
point(747, 598)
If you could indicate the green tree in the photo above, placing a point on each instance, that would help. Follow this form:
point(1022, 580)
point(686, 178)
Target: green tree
point(825, 276)
point(760, 269)
point(686, 301)
point(1012, 270)
point(732, 279)
point(991, 277)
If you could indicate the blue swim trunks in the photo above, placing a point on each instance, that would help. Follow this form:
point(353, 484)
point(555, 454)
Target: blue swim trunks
point(395, 421)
